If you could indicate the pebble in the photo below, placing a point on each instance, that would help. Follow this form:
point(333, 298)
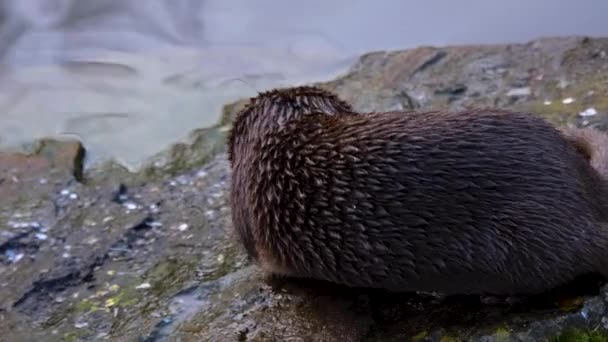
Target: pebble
point(73, 196)
point(64, 192)
point(182, 227)
point(525, 91)
point(130, 205)
point(80, 325)
point(24, 224)
point(91, 241)
point(155, 224)
point(143, 286)
point(567, 100)
point(588, 112)
point(41, 236)
point(547, 102)
point(14, 257)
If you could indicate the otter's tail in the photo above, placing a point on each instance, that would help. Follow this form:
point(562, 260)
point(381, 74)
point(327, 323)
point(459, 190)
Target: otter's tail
point(593, 144)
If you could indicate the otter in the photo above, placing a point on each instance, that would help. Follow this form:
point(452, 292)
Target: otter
point(482, 201)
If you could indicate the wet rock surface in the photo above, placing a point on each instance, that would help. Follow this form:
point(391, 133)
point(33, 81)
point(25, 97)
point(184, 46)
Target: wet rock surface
point(109, 255)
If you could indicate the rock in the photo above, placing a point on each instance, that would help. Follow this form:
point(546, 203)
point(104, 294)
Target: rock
point(44, 157)
point(151, 256)
point(201, 146)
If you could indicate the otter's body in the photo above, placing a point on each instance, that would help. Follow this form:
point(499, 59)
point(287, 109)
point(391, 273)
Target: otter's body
point(482, 201)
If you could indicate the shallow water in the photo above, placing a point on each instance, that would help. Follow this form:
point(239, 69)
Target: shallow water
point(130, 79)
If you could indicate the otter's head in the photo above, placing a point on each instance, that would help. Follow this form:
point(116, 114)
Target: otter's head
point(272, 109)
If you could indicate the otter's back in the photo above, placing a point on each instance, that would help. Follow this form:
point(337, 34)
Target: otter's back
point(452, 202)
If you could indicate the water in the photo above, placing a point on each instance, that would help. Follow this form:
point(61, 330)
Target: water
point(130, 79)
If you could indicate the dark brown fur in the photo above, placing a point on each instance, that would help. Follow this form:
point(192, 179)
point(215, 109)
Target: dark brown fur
point(484, 201)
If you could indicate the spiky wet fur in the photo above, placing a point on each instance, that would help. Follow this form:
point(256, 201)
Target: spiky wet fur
point(479, 201)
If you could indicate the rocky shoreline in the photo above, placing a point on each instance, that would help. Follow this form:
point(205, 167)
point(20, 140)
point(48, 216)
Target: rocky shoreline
point(105, 254)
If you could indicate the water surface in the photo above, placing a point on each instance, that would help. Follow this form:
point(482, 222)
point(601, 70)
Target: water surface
point(131, 77)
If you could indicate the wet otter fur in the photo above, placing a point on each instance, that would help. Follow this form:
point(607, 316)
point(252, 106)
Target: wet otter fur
point(474, 202)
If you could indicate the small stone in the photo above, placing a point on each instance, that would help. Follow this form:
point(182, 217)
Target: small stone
point(221, 258)
point(182, 227)
point(65, 255)
point(568, 100)
point(225, 128)
point(41, 236)
point(588, 112)
point(111, 272)
point(524, 91)
point(73, 196)
point(91, 241)
point(183, 180)
point(89, 222)
point(16, 257)
point(143, 286)
point(25, 224)
point(43, 181)
point(64, 192)
point(547, 102)
point(130, 206)
point(80, 325)
point(201, 174)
